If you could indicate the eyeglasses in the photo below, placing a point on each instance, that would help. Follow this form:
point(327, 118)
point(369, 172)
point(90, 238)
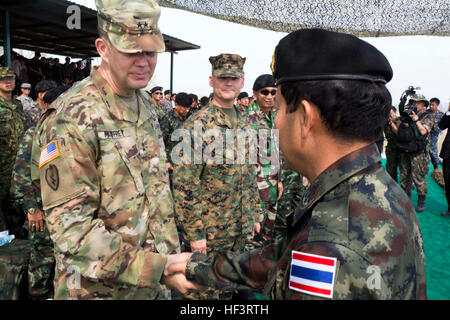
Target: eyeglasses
point(157, 93)
point(266, 92)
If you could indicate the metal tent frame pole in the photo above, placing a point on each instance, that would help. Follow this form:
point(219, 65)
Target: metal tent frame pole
point(7, 39)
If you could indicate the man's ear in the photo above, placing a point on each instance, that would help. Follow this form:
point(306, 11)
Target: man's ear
point(102, 49)
point(308, 117)
point(211, 81)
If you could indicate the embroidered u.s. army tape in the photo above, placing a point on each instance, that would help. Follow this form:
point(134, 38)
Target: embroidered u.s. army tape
point(49, 153)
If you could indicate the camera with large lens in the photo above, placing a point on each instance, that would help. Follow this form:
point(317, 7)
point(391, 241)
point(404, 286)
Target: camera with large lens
point(410, 91)
point(407, 93)
point(411, 108)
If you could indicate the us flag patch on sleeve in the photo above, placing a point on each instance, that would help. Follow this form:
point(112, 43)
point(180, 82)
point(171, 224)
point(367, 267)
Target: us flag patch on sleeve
point(312, 274)
point(49, 152)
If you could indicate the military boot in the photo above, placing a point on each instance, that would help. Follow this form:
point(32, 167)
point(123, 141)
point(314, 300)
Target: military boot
point(421, 204)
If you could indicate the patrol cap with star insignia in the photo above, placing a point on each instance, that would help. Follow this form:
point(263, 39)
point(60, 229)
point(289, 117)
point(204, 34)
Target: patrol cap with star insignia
point(131, 25)
point(227, 65)
point(6, 72)
point(317, 54)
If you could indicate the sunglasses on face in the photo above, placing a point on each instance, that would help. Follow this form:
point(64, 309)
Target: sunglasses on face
point(266, 92)
point(157, 92)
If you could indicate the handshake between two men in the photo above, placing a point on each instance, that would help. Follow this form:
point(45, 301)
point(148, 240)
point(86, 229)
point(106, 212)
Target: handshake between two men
point(174, 276)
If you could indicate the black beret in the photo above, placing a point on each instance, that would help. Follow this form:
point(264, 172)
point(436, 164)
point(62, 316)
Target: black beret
point(45, 85)
point(166, 92)
point(316, 54)
point(243, 94)
point(265, 80)
point(155, 89)
point(52, 94)
point(183, 99)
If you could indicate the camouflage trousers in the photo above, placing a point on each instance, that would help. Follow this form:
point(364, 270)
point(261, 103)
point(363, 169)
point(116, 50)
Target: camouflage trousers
point(14, 259)
point(4, 206)
point(3, 225)
point(392, 163)
point(41, 266)
point(446, 174)
point(413, 169)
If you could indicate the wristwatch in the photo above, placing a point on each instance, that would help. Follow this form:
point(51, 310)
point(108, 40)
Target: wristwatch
point(32, 211)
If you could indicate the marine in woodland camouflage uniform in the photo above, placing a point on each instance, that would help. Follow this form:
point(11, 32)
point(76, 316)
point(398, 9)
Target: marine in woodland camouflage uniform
point(105, 191)
point(353, 211)
point(216, 202)
point(42, 262)
point(11, 130)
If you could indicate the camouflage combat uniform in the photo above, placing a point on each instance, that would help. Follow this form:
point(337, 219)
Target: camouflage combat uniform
point(434, 139)
point(293, 191)
point(106, 195)
point(169, 123)
point(41, 264)
point(414, 167)
point(353, 212)
point(11, 130)
point(392, 154)
point(216, 202)
point(268, 174)
point(32, 114)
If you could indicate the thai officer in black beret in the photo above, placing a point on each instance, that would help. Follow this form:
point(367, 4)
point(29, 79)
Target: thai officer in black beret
point(355, 234)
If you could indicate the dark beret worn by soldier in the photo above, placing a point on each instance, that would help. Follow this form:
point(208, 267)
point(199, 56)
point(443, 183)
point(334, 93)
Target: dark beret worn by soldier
point(242, 95)
point(355, 234)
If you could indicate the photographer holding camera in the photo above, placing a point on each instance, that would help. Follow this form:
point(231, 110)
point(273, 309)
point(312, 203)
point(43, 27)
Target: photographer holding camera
point(413, 134)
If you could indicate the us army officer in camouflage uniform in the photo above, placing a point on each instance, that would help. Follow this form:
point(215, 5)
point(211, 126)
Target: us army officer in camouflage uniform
point(99, 156)
point(217, 199)
point(41, 264)
point(355, 234)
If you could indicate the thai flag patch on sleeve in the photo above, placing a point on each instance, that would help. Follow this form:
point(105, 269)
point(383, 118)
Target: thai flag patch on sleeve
point(312, 274)
point(48, 153)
